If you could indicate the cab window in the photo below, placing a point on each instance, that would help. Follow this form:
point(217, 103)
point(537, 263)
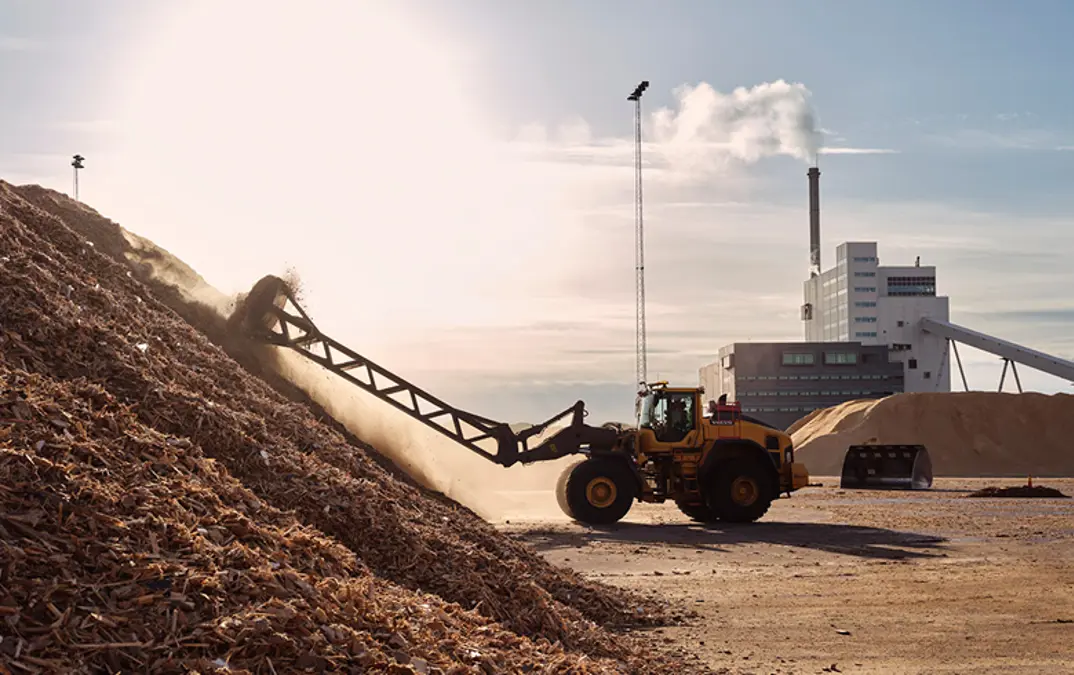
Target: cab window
point(670, 416)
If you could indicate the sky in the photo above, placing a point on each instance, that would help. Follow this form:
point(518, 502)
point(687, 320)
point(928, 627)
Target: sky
point(453, 181)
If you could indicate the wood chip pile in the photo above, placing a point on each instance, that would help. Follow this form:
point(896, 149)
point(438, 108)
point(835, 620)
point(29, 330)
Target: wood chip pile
point(163, 509)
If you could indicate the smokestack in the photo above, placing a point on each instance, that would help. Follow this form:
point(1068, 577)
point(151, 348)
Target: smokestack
point(814, 221)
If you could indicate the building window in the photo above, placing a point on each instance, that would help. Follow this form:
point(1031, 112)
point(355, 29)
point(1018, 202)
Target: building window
point(865, 274)
point(864, 259)
point(865, 289)
point(865, 303)
point(900, 347)
point(793, 359)
point(840, 358)
point(928, 374)
point(900, 324)
point(912, 364)
point(912, 286)
point(865, 334)
point(865, 319)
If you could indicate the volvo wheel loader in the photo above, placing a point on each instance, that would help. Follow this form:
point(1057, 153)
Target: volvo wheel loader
point(715, 463)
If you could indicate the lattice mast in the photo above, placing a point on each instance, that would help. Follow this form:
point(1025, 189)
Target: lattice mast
point(641, 361)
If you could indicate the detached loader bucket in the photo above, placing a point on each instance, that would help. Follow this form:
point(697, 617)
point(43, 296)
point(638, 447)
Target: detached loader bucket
point(891, 467)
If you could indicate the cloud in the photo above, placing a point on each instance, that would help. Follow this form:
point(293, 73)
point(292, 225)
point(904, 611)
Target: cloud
point(856, 151)
point(11, 43)
point(88, 127)
point(1064, 315)
point(987, 139)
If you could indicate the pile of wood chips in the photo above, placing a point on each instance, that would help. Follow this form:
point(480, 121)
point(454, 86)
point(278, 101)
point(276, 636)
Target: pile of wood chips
point(164, 510)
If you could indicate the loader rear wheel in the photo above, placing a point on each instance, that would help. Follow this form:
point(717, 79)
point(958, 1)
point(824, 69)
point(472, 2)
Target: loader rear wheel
point(699, 512)
point(597, 491)
point(740, 492)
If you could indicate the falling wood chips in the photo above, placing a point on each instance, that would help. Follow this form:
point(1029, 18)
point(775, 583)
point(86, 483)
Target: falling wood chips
point(163, 510)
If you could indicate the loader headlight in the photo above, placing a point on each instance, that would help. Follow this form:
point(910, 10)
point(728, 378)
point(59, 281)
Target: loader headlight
point(788, 456)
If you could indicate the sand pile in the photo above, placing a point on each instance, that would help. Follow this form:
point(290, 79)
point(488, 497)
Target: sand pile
point(967, 434)
point(139, 399)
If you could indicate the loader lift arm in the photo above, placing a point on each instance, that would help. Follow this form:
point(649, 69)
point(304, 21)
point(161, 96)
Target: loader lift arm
point(271, 313)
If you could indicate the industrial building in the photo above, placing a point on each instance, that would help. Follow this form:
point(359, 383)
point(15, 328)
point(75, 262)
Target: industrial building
point(861, 324)
point(870, 330)
point(860, 300)
point(780, 382)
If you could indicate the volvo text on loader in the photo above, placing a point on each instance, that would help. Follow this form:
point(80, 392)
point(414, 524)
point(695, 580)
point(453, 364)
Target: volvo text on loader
point(715, 463)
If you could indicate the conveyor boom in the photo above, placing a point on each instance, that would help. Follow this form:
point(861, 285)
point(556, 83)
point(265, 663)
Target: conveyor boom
point(272, 314)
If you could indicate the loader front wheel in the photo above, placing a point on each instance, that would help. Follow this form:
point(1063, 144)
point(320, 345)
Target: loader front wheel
point(740, 492)
point(597, 491)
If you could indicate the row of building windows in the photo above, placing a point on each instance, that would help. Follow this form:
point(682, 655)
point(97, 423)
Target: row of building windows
point(926, 291)
point(865, 334)
point(840, 357)
point(912, 286)
point(865, 319)
point(754, 378)
point(865, 303)
point(865, 289)
point(806, 408)
point(865, 258)
point(809, 358)
point(865, 274)
point(764, 408)
point(910, 281)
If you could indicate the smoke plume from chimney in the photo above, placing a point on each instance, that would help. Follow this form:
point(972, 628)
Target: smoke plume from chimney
point(773, 118)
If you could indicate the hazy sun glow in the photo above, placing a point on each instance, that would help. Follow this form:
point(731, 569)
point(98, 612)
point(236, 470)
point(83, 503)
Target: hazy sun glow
point(339, 140)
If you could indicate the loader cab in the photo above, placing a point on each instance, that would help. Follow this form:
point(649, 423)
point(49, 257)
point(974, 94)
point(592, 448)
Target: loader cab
point(671, 414)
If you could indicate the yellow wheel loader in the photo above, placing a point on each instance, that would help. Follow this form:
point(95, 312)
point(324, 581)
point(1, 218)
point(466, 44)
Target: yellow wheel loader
point(715, 463)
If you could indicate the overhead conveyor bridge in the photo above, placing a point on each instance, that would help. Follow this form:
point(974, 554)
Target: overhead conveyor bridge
point(1010, 352)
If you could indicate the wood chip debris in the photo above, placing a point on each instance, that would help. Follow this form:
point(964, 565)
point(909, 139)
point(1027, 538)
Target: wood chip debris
point(141, 529)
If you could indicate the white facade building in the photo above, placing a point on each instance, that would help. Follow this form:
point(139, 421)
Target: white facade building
point(860, 300)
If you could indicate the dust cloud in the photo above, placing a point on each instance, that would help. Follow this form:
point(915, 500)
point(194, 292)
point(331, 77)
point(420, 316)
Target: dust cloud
point(496, 493)
point(437, 462)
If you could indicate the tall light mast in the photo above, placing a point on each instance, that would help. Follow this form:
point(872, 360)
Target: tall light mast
point(641, 364)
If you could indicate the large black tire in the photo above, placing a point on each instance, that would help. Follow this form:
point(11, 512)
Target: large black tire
point(561, 488)
point(699, 512)
point(597, 491)
point(740, 491)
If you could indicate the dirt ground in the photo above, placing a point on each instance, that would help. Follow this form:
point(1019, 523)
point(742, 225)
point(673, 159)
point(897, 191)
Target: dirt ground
point(850, 581)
